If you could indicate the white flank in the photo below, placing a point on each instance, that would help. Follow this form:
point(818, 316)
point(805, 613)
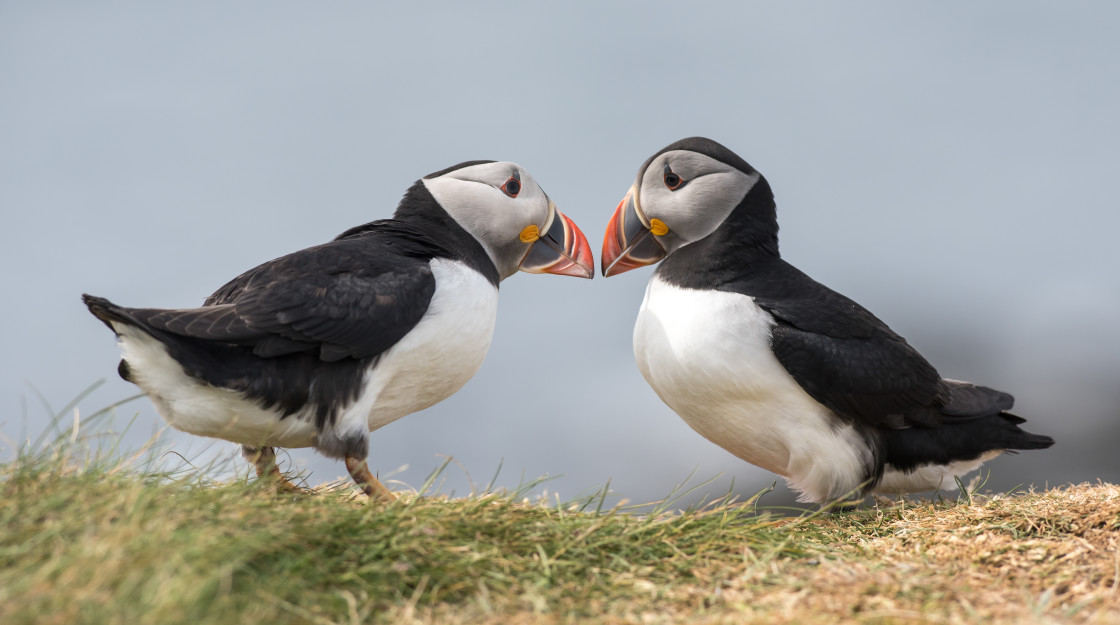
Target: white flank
point(435, 359)
point(930, 476)
point(707, 355)
point(191, 406)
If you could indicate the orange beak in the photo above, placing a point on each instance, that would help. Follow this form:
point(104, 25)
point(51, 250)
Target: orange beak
point(562, 250)
point(628, 242)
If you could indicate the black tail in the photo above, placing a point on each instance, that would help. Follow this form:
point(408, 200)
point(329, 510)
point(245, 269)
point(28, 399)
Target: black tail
point(288, 382)
point(956, 440)
point(107, 311)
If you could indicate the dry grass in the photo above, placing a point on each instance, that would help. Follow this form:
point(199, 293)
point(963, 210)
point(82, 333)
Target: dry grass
point(1049, 557)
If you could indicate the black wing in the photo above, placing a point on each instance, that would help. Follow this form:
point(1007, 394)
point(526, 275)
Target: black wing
point(350, 298)
point(847, 359)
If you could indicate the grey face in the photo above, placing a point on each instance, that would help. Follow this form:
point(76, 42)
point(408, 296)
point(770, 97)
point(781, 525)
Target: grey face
point(690, 193)
point(479, 198)
point(507, 212)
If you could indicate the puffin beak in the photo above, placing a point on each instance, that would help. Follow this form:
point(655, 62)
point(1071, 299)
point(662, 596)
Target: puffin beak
point(628, 243)
point(560, 249)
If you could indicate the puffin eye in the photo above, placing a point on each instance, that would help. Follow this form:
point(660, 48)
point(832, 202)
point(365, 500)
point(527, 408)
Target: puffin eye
point(672, 181)
point(512, 186)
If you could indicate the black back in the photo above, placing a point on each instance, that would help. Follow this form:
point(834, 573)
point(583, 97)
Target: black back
point(837, 351)
point(303, 329)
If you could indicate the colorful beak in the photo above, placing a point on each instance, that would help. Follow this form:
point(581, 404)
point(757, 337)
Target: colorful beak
point(628, 243)
point(561, 249)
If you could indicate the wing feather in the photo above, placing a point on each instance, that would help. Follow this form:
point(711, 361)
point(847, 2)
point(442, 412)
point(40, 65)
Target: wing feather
point(344, 299)
point(847, 359)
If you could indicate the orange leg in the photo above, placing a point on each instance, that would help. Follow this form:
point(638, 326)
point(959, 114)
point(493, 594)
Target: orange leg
point(359, 470)
point(264, 460)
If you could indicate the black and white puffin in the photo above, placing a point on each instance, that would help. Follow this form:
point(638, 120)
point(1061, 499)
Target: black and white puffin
point(774, 367)
point(320, 347)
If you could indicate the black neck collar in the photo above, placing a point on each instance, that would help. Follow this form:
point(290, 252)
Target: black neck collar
point(745, 243)
point(431, 232)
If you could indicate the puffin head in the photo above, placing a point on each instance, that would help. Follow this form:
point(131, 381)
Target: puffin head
point(682, 194)
point(507, 212)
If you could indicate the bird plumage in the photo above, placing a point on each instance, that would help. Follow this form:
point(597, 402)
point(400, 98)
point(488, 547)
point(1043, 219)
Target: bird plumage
point(321, 346)
point(862, 399)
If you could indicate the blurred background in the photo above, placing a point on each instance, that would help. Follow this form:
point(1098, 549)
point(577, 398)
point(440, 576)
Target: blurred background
point(951, 167)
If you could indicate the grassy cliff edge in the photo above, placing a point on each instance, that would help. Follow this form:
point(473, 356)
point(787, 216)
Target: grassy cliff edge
point(93, 542)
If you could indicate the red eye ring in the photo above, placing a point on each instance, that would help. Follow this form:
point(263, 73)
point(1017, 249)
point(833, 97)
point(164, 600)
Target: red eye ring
point(512, 186)
point(672, 180)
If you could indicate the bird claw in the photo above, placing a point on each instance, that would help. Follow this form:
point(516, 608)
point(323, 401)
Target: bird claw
point(359, 470)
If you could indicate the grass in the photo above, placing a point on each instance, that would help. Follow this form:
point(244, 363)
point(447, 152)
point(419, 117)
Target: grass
point(91, 538)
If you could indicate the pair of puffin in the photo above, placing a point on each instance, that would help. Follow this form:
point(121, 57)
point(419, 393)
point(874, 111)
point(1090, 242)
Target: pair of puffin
point(321, 347)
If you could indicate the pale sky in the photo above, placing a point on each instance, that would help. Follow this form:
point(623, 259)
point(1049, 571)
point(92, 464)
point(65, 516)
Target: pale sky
point(949, 166)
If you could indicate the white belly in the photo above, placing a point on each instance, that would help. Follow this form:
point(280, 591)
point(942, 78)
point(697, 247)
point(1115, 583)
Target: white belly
point(435, 359)
point(707, 355)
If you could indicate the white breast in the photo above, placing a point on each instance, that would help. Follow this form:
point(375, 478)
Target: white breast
point(439, 355)
point(707, 355)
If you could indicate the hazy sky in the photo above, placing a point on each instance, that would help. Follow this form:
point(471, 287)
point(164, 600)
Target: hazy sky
point(951, 167)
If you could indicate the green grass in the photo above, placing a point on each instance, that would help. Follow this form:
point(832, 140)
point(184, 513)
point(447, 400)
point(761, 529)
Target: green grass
point(86, 537)
point(114, 547)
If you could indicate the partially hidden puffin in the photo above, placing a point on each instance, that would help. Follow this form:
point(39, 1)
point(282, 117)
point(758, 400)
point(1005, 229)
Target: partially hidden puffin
point(774, 367)
point(322, 346)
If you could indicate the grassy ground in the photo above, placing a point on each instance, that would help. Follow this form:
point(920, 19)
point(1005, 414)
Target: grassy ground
point(87, 541)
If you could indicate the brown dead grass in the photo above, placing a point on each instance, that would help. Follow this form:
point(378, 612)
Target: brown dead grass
point(1051, 557)
point(1029, 558)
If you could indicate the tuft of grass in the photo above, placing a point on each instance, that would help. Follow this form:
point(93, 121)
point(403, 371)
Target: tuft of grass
point(89, 539)
point(100, 546)
point(89, 535)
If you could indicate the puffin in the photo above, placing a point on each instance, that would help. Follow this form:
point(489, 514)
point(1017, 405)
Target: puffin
point(774, 367)
point(322, 346)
